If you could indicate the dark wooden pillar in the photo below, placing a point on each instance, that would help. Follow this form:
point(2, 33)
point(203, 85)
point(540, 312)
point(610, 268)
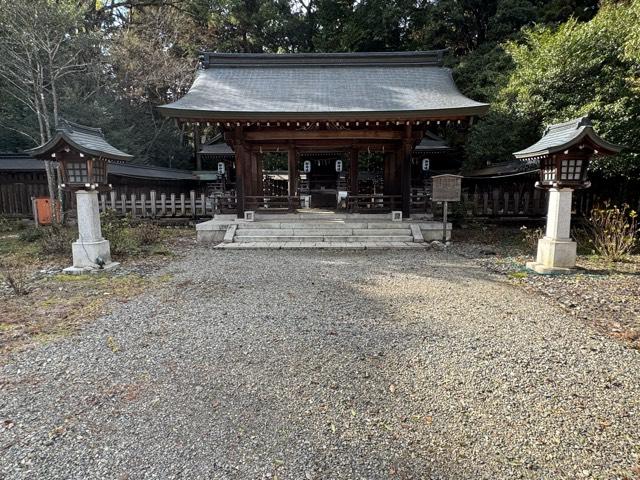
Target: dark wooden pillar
point(389, 175)
point(293, 170)
point(259, 175)
point(252, 181)
point(196, 146)
point(392, 184)
point(405, 171)
point(241, 168)
point(353, 171)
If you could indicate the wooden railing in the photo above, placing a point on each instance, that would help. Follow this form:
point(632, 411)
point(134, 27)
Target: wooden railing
point(227, 203)
point(271, 203)
point(373, 203)
point(154, 205)
point(162, 205)
point(420, 202)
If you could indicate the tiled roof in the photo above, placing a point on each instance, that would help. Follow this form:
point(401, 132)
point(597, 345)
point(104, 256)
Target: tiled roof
point(21, 162)
point(87, 140)
point(561, 136)
point(321, 86)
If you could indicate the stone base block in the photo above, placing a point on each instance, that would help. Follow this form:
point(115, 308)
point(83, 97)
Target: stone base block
point(85, 254)
point(210, 236)
point(554, 256)
point(84, 270)
point(539, 268)
point(433, 231)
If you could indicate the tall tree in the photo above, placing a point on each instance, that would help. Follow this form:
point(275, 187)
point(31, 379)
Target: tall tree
point(43, 43)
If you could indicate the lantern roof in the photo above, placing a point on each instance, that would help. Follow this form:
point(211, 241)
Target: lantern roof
point(327, 86)
point(561, 136)
point(87, 140)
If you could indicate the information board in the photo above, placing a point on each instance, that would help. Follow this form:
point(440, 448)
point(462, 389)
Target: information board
point(446, 188)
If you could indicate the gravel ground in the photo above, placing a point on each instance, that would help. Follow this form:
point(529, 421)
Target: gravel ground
point(325, 365)
point(604, 295)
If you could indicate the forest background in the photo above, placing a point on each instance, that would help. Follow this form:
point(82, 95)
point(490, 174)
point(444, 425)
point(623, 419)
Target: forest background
point(109, 63)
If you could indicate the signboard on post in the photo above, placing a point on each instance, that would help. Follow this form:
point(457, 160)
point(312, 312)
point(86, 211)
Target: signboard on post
point(446, 188)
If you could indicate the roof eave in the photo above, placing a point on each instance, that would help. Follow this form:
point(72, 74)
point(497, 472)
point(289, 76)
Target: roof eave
point(587, 132)
point(173, 112)
point(51, 145)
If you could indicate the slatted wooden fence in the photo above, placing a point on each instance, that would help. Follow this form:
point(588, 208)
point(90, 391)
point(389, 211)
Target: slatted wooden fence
point(153, 205)
point(502, 203)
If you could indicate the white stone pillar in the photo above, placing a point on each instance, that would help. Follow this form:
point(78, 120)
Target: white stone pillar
point(556, 250)
point(91, 251)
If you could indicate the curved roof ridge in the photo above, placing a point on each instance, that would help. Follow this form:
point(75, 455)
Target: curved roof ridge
point(73, 126)
point(336, 59)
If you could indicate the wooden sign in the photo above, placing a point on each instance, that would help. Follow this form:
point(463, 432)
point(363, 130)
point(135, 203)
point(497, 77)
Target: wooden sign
point(447, 188)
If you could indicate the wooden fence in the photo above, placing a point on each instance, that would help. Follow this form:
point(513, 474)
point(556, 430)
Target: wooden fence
point(15, 200)
point(154, 205)
point(502, 203)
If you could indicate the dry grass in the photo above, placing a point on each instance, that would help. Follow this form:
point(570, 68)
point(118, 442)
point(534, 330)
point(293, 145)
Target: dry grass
point(48, 307)
point(58, 305)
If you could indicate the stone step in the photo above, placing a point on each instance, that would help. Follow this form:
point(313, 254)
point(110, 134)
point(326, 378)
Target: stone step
point(322, 238)
point(381, 231)
point(321, 216)
point(322, 245)
point(286, 232)
point(333, 224)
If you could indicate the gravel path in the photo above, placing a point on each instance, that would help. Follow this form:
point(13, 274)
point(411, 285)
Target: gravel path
point(325, 365)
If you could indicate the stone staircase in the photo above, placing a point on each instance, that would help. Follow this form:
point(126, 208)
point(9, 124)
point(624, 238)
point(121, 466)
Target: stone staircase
point(323, 233)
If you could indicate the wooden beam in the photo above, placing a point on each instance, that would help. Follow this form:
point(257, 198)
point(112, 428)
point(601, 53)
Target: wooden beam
point(271, 135)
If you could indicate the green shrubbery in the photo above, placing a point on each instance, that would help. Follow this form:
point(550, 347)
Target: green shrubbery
point(614, 231)
point(51, 240)
point(127, 235)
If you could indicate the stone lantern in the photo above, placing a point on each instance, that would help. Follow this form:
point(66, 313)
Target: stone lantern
point(84, 155)
point(563, 153)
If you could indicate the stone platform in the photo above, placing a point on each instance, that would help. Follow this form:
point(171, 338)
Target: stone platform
point(319, 230)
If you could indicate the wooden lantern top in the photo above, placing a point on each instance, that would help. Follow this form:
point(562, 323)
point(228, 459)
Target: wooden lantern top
point(561, 137)
point(79, 139)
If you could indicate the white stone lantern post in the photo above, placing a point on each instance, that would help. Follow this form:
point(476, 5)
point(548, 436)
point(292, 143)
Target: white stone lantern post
point(564, 153)
point(84, 155)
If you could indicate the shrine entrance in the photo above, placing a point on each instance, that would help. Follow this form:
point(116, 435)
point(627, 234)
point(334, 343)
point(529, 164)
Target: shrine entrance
point(351, 120)
point(323, 179)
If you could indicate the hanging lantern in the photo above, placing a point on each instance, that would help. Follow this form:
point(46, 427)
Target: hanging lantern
point(338, 166)
point(221, 168)
point(306, 166)
point(426, 164)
